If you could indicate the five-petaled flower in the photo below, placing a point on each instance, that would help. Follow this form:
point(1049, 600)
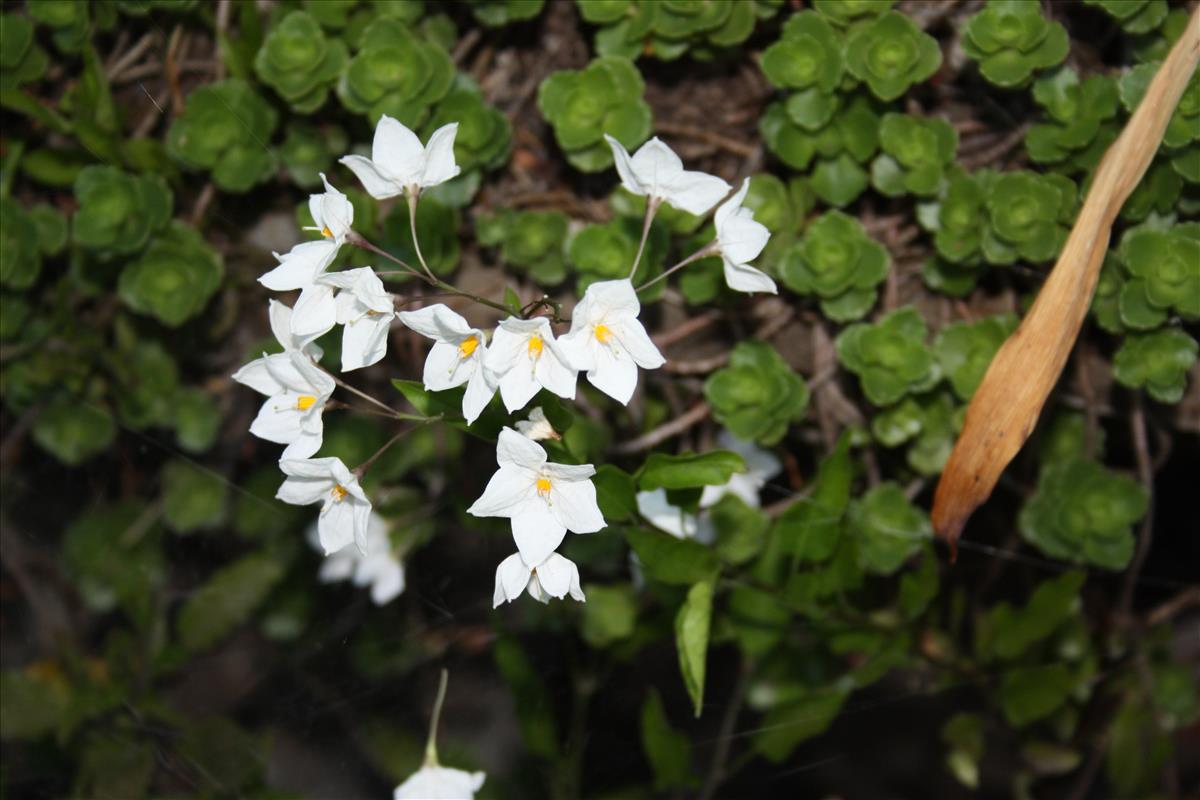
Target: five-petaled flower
point(525, 357)
point(457, 356)
point(557, 576)
point(375, 565)
point(607, 340)
point(400, 165)
point(365, 310)
point(740, 240)
point(657, 173)
point(542, 499)
point(345, 509)
point(297, 390)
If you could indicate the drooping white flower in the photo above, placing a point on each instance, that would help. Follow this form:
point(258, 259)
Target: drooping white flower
point(375, 565)
point(543, 500)
point(656, 172)
point(345, 509)
point(297, 390)
point(525, 357)
point(457, 356)
point(741, 239)
point(537, 427)
point(365, 310)
point(280, 316)
point(399, 164)
point(332, 213)
point(608, 341)
point(433, 782)
point(761, 466)
point(555, 577)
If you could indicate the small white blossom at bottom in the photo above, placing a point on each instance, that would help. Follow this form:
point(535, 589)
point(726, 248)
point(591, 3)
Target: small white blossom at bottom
point(659, 512)
point(557, 577)
point(537, 427)
point(375, 566)
point(345, 508)
point(433, 782)
point(761, 466)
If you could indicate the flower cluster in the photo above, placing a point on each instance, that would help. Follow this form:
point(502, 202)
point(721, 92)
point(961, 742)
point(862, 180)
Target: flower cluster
point(522, 356)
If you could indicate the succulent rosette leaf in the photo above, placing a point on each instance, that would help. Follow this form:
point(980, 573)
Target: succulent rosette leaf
point(1159, 362)
point(757, 396)
point(299, 62)
point(890, 54)
point(890, 356)
point(117, 211)
point(396, 72)
point(1011, 40)
point(174, 279)
point(225, 129)
point(837, 261)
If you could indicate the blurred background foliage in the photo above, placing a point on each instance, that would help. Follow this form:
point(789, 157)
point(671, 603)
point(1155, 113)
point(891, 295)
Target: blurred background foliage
point(919, 165)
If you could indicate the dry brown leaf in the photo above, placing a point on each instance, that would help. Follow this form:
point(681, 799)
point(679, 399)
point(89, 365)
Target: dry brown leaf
point(1006, 406)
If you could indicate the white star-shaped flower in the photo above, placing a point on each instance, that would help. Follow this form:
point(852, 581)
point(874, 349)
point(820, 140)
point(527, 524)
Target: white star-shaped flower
point(433, 782)
point(543, 500)
point(555, 577)
point(375, 565)
point(608, 341)
point(657, 173)
point(345, 509)
point(741, 239)
point(332, 213)
point(457, 356)
point(297, 390)
point(365, 310)
point(525, 357)
point(399, 164)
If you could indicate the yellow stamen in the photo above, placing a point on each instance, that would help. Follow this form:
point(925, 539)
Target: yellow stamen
point(603, 333)
point(305, 401)
point(339, 493)
point(328, 234)
point(543, 487)
point(467, 347)
point(535, 346)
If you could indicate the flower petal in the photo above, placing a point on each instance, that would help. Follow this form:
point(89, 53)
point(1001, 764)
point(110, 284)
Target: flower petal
point(439, 156)
point(258, 376)
point(364, 341)
point(300, 491)
point(511, 577)
point(397, 152)
point(336, 526)
point(656, 166)
point(555, 575)
point(315, 313)
point(515, 450)
point(742, 239)
point(537, 532)
point(508, 492)
point(731, 206)
point(695, 192)
point(629, 178)
point(300, 266)
point(615, 373)
point(554, 372)
point(480, 391)
point(638, 344)
point(437, 322)
point(278, 420)
point(305, 445)
point(574, 505)
point(375, 182)
point(745, 278)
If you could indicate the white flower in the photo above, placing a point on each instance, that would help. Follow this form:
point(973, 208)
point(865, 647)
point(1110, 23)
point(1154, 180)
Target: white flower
point(656, 172)
point(741, 239)
point(332, 213)
point(543, 500)
point(555, 577)
point(399, 164)
point(457, 357)
point(345, 509)
point(525, 357)
point(299, 268)
point(433, 782)
point(255, 374)
point(537, 427)
point(761, 466)
point(375, 565)
point(366, 310)
point(297, 390)
point(659, 512)
point(607, 340)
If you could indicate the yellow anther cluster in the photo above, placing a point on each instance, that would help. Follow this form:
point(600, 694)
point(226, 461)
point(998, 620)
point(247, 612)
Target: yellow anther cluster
point(305, 401)
point(339, 493)
point(467, 347)
point(603, 333)
point(535, 346)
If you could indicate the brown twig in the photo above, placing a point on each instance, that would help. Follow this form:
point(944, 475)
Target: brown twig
point(171, 68)
point(1186, 599)
point(725, 143)
point(686, 329)
point(1141, 449)
point(224, 8)
point(131, 56)
point(716, 771)
point(693, 416)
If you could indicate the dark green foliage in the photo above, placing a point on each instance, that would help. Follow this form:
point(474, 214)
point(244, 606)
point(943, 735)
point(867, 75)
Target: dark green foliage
point(226, 129)
point(533, 241)
point(1159, 361)
point(299, 63)
point(118, 212)
point(498, 13)
point(583, 105)
point(839, 263)
point(395, 72)
point(758, 395)
point(889, 357)
point(1080, 114)
point(915, 155)
point(668, 29)
point(890, 54)
point(174, 279)
point(1011, 39)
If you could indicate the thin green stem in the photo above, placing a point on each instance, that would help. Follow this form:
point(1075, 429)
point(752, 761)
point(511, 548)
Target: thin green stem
point(412, 226)
point(431, 758)
point(652, 204)
point(712, 248)
point(361, 469)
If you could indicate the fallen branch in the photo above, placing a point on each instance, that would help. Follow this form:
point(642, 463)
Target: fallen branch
point(1006, 406)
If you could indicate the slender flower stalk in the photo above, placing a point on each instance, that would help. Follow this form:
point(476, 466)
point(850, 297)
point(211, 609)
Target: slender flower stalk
point(652, 204)
point(431, 757)
point(412, 226)
point(710, 249)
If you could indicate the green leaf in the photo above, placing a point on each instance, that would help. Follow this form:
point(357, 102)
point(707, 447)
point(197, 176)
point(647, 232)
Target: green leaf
point(615, 493)
point(609, 615)
point(691, 639)
point(1027, 695)
point(227, 600)
point(74, 431)
point(670, 560)
point(534, 710)
point(32, 703)
point(689, 471)
point(668, 751)
point(789, 724)
point(194, 497)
